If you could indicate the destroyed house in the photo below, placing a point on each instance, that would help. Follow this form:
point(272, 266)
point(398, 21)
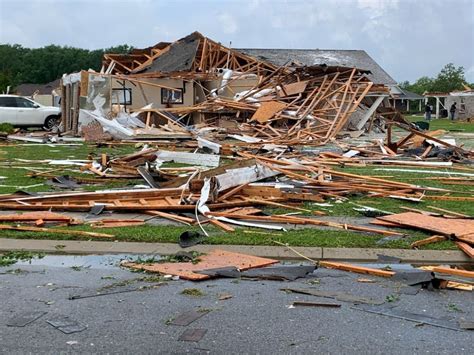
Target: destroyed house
point(196, 80)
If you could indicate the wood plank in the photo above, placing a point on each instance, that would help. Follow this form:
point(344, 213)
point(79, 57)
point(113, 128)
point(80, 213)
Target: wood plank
point(457, 214)
point(59, 231)
point(186, 220)
point(221, 225)
point(356, 269)
point(455, 272)
point(433, 239)
point(466, 248)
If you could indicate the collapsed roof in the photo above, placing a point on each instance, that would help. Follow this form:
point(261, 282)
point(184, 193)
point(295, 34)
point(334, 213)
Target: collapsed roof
point(331, 57)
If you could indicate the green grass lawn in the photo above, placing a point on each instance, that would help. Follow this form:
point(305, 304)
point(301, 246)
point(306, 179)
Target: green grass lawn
point(11, 168)
point(310, 237)
point(446, 124)
point(14, 171)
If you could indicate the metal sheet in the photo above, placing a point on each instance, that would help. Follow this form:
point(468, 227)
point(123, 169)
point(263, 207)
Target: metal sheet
point(405, 315)
point(25, 318)
point(345, 297)
point(193, 335)
point(65, 324)
point(187, 318)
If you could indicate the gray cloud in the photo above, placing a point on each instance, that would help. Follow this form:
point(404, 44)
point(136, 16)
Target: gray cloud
point(409, 38)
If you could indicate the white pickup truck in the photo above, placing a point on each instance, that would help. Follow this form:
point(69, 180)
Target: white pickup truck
point(20, 111)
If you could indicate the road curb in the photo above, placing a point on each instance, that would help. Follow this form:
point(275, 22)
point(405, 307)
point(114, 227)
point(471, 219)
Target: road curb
point(276, 252)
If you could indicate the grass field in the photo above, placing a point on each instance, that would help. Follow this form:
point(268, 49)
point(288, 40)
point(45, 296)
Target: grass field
point(446, 124)
point(17, 160)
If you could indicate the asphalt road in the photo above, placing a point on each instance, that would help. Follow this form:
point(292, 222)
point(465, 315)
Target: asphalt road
point(257, 319)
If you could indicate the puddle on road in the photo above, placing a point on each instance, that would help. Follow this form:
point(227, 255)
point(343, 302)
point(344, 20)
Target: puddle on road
point(107, 261)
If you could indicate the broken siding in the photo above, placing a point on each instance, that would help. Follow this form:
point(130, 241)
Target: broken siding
point(464, 103)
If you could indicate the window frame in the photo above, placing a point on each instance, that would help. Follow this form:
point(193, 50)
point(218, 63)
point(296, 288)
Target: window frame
point(121, 90)
point(165, 102)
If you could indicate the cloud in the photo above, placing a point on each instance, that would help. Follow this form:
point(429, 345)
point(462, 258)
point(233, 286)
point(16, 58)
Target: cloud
point(228, 23)
point(470, 74)
point(408, 39)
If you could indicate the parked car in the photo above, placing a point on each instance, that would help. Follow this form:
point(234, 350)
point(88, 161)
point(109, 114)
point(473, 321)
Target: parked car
point(24, 112)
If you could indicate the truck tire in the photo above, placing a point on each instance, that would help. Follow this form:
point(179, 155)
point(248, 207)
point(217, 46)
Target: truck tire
point(50, 122)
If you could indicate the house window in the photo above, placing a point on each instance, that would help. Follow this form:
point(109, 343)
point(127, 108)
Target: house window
point(122, 96)
point(171, 96)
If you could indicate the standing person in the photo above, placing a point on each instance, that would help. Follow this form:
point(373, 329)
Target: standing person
point(452, 111)
point(428, 112)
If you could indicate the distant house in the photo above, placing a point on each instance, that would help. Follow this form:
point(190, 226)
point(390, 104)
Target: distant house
point(401, 98)
point(464, 103)
point(45, 94)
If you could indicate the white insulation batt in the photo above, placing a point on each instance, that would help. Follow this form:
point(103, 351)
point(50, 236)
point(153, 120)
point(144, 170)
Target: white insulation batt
point(210, 160)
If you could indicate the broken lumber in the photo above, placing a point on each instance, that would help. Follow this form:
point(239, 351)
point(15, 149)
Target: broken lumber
point(356, 269)
point(54, 230)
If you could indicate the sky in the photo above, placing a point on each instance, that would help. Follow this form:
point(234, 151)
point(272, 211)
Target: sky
point(408, 38)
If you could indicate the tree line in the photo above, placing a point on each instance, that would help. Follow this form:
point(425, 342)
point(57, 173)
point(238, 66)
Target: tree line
point(450, 78)
point(42, 65)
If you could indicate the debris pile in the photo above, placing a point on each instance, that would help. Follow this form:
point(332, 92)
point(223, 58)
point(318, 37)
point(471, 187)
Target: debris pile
point(233, 93)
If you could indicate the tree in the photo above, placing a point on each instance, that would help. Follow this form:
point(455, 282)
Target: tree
point(422, 85)
point(449, 79)
point(42, 65)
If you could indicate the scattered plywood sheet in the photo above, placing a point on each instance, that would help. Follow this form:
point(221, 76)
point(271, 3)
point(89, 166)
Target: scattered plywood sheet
point(445, 226)
point(267, 110)
point(189, 158)
point(293, 88)
point(213, 260)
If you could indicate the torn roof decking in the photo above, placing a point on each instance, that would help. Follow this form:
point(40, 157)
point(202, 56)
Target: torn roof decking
point(125, 63)
point(198, 54)
point(179, 57)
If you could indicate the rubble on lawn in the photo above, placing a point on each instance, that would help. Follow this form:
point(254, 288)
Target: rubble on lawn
point(249, 134)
